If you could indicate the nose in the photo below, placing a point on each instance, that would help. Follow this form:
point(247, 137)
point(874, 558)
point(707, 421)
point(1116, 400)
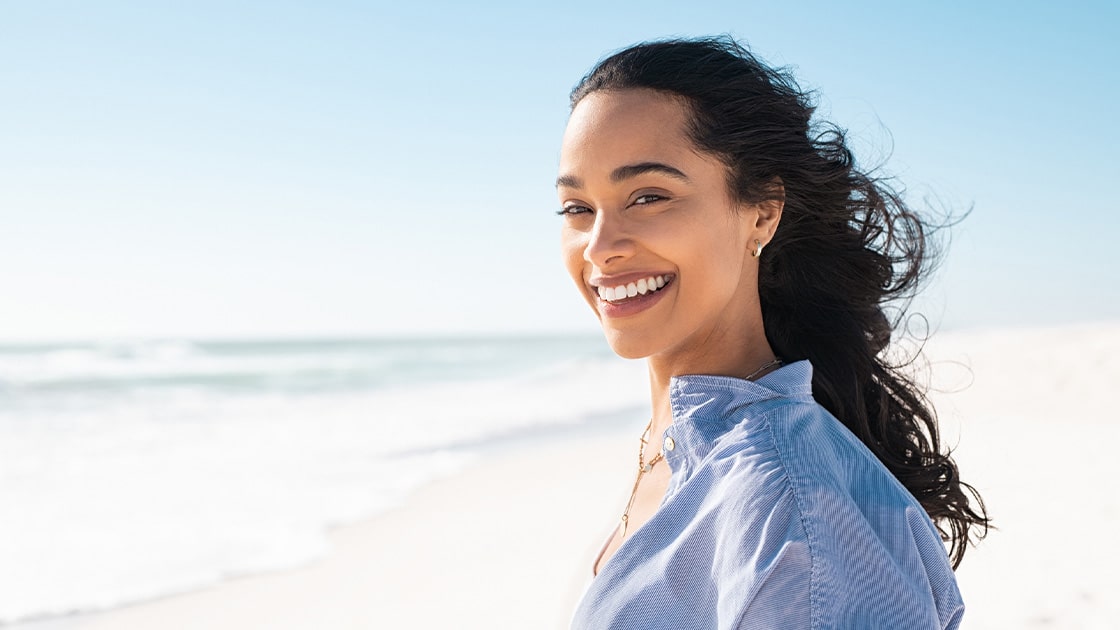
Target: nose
point(608, 240)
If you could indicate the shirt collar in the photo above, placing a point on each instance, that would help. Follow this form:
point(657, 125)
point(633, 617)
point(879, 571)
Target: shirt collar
point(707, 406)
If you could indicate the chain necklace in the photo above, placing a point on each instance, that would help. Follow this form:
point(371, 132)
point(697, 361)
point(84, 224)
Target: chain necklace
point(765, 366)
point(644, 466)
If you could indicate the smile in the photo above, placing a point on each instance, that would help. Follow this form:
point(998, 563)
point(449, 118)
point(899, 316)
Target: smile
point(627, 291)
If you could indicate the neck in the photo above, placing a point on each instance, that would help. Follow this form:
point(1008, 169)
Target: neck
point(737, 357)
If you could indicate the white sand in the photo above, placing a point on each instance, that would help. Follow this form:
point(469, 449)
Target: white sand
point(1039, 437)
point(509, 543)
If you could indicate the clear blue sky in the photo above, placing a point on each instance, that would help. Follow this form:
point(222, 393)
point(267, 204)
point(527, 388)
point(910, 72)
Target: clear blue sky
point(343, 168)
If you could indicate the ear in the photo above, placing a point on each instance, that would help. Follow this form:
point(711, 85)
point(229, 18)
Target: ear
point(767, 214)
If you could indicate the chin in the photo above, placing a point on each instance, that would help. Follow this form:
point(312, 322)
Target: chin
point(628, 345)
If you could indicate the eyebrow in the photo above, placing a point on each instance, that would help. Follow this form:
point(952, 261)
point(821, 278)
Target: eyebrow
point(624, 173)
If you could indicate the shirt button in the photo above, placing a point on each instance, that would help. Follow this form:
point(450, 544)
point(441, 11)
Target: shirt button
point(670, 444)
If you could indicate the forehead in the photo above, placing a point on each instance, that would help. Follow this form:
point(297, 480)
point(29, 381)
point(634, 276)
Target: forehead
point(610, 128)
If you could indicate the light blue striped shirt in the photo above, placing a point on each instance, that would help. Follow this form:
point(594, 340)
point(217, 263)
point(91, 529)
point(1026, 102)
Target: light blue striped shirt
point(776, 516)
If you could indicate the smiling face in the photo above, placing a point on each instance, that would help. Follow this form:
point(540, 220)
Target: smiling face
point(639, 201)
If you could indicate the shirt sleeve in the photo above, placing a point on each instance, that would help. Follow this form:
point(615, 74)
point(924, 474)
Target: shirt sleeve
point(783, 602)
point(842, 576)
point(782, 599)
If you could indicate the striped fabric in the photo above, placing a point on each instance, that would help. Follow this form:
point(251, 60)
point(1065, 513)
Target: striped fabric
point(776, 516)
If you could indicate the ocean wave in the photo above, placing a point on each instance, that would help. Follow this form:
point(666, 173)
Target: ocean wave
point(113, 496)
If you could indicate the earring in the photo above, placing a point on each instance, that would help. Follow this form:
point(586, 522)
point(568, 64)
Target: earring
point(758, 248)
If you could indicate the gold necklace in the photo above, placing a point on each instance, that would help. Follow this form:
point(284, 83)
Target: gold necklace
point(768, 364)
point(644, 466)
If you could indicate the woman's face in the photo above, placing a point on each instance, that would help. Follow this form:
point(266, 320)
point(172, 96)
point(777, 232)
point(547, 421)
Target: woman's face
point(640, 202)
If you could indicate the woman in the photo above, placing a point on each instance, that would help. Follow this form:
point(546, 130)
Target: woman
point(789, 472)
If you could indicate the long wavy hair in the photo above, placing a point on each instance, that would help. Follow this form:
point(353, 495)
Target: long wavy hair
point(847, 252)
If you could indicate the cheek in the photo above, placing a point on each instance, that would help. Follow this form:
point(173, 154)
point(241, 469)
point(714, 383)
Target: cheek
point(716, 263)
point(571, 252)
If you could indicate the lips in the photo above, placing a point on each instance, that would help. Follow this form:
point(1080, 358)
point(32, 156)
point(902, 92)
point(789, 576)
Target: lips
point(623, 292)
point(624, 295)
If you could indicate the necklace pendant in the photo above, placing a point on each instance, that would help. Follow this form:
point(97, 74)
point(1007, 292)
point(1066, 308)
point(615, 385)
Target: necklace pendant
point(646, 468)
point(622, 527)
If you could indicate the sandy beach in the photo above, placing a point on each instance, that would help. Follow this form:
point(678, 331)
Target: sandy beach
point(508, 543)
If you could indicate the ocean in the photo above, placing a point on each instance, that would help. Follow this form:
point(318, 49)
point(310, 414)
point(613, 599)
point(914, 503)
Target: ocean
point(134, 469)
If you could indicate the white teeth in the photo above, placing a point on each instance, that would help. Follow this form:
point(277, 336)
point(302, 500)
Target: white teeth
point(621, 292)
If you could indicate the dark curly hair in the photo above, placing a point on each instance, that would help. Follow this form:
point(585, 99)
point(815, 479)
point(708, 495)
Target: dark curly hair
point(847, 252)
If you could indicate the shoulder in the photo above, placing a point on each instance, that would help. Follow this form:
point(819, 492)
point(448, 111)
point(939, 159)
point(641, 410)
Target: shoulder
point(839, 521)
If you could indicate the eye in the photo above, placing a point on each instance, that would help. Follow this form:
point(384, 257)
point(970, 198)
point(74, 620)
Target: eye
point(647, 199)
point(572, 209)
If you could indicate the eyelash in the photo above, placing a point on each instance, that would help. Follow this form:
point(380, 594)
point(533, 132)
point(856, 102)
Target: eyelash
point(655, 198)
point(576, 209)
point(572, 210)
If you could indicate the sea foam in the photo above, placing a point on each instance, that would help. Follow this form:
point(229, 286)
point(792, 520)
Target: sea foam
point(133, 470)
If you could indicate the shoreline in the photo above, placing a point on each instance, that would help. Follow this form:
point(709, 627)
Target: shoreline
point(508, 540)
point(463, 551)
